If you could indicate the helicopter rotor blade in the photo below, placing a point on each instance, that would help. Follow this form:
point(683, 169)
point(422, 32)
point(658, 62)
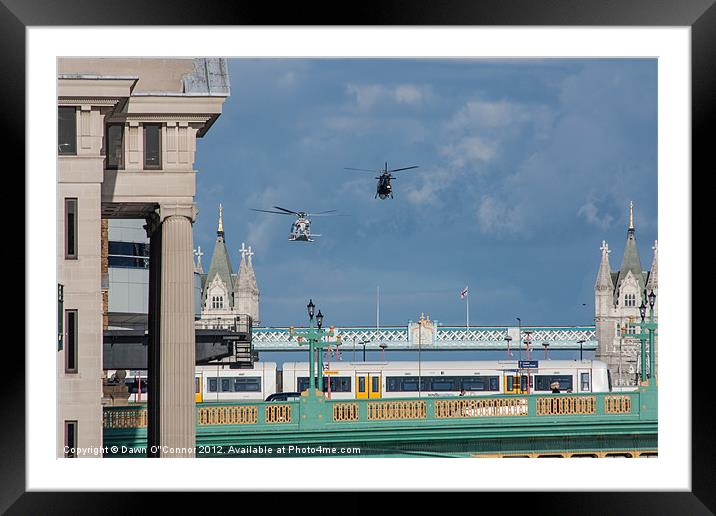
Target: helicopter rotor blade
point(320, 213)
point(269, 211)
point(287, 211)
point(399, 169)
point(361, 169)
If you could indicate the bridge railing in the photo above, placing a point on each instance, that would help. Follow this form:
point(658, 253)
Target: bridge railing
point(326, 414)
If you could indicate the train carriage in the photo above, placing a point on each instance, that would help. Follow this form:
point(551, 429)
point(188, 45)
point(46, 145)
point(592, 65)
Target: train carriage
point(358, 380)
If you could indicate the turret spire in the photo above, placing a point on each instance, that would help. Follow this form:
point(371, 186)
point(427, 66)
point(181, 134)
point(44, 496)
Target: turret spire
point(221, 225)
point(631, 216)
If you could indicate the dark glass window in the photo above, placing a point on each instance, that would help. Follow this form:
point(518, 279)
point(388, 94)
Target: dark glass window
point(71, 340)
point(405, 383)
point(375, 380)
point(543, 381)
point(442, 384)
point(133, 255)
point(339, 383)
point(71, 228)
point(213, 385)
point(481, 383)
point(584, 381)
point(70, 439)
point(152, 146)
point(115, 146)
point(66, 130)
point(226, 385)
point(361, 384)
point(247, 384)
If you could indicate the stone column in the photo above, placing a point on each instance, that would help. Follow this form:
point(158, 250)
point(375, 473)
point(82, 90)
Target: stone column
point(172, 361)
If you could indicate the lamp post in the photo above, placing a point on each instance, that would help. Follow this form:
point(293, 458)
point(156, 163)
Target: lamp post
point(508, 339)
point(364, 342)
point(580, 342)
point(528, 342)
point(519, 336)
point(315, 345)
point(382, 351)
point(546, 345)
point(651, 326)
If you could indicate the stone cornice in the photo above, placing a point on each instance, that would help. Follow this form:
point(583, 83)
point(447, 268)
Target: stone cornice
point(91, 101)
point(168, 117)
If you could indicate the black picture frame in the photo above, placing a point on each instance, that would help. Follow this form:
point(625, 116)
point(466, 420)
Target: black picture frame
point(700, 15)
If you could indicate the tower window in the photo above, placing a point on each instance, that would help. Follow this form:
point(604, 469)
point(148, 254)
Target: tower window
point(152, 146)
point(71, 229)
point(70, 439)
point(630, 300)
point(67, 130)
point(71, 341)
point(115, 146)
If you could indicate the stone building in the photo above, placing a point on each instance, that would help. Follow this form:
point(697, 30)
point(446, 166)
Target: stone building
point(617, 297)
point(126, 146)
point(226, 294)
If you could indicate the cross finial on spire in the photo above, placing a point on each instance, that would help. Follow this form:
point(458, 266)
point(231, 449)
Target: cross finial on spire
point(221, 225)
point(605, 247)
point(198, 254)
point(655, 247)
point(249, 253)
point(243, 251)
point(631, 215)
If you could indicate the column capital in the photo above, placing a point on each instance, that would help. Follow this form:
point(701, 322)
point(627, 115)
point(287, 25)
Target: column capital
point(188, 210)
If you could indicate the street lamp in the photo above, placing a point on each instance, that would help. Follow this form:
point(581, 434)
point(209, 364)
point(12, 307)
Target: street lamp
point(546, 345)
point(580, 342)
point(315, 346)
point(508, 339)
point(382, 351)
point(519, 336)
point(364, 342)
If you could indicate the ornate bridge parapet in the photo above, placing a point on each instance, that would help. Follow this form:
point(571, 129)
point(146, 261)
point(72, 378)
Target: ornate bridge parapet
point(434, 336)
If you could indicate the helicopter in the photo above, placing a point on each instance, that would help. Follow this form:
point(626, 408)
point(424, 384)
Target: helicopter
point(301, 228)
point(384, 189)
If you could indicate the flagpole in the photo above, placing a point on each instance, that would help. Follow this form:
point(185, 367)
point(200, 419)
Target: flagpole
point(467, 309)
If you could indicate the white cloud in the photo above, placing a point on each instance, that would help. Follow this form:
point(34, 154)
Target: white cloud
point(496, 217)
point(366, 95)
point(591, 214)
point(287, 79)
point(469, 150)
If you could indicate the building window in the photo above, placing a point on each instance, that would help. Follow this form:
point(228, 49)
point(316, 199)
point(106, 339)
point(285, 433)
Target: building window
point(133, 255)
point(70, 439)
point(152, 146)
point(71, 341)
point(115, 146)
point(67, 130)
point(70, 229)
point(630, 300)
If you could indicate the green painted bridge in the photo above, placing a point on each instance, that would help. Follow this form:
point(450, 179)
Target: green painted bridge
point(584, 424)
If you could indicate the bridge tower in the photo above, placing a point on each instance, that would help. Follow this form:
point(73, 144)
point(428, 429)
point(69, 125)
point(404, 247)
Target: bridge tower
point(617, 296)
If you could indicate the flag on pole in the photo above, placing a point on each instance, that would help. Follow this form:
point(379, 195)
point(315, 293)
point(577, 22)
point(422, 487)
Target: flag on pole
point(463, 293)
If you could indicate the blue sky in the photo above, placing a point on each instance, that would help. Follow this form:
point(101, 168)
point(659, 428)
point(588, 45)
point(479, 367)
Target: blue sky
point(525, 166)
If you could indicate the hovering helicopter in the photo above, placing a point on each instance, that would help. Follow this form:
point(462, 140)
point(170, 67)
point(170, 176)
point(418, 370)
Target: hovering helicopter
point(301, 228)
point(383, 189)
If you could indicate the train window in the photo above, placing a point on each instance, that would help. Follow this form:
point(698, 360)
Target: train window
point(247, 384)
point(584, 381)
point(338, 384)
point(213, 384)
point(197, 388)
point(225, 384)
point(376, 383)
point(361, 384)
point(543, 382)
point(481, 383)
point(442, 384)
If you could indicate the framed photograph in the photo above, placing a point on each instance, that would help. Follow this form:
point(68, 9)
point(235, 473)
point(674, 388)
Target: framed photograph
point(648, 67)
